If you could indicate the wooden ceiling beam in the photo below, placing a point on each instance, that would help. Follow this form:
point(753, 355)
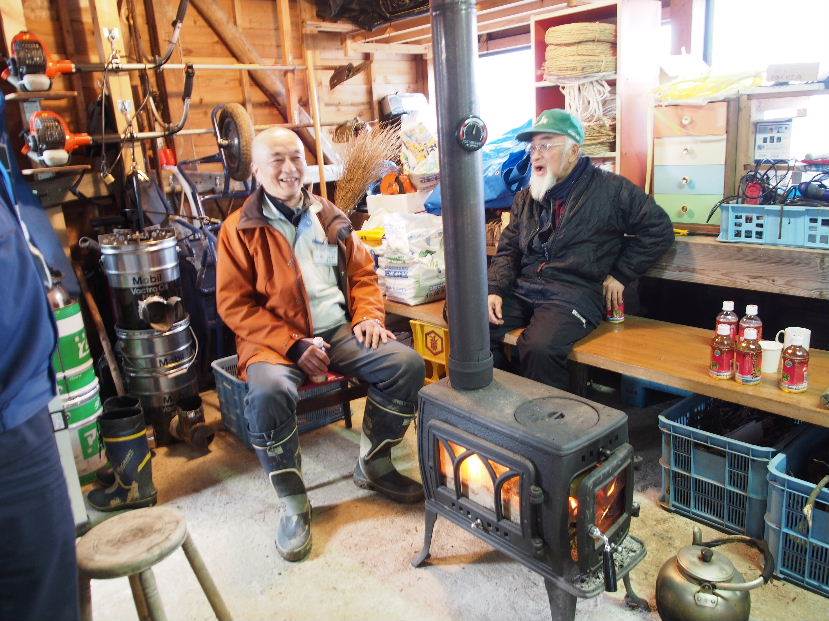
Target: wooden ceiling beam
point(270, 82)
point(489, 20)
point(419, 23)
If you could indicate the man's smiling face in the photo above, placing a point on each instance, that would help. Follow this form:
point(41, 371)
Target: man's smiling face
point(279, 164)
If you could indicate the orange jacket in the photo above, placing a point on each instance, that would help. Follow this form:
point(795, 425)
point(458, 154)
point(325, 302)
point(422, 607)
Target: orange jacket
point(259, 290)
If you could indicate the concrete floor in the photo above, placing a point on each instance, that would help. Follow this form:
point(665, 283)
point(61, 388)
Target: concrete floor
point(360, 568)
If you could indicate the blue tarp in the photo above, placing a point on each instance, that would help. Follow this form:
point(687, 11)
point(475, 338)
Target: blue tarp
point(506, 170)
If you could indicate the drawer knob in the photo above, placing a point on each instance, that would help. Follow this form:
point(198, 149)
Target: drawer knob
point(685, 120)
point(683, 210)
point(685, 180)
point(685, 150)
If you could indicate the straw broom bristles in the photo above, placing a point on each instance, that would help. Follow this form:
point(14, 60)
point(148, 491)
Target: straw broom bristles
point(364, 156)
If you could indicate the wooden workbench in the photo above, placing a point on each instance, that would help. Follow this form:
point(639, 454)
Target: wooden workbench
point(802, 272)
point(674, 355)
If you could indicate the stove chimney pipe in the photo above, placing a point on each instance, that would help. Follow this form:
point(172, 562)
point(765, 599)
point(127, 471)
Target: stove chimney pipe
point(460, 134)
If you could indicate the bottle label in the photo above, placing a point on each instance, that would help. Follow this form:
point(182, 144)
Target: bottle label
point(722, 363)
point(747, 367)
point(732, 325)
point(616, 314)
point(795, 375)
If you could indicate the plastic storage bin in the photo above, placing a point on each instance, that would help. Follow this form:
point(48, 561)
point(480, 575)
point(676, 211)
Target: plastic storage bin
point(232, 392)
point(801, 552)
point(806, 227)
point(711, 478)
point(432, 343)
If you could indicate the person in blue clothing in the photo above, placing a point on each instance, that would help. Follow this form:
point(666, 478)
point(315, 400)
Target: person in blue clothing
point(38, 571)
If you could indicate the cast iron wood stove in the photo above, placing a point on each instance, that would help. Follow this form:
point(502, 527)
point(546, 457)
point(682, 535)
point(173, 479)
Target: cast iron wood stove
point(540, 474)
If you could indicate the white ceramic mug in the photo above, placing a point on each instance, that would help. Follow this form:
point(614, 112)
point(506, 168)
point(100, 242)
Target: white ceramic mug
point(771, 356)
point(788, 333)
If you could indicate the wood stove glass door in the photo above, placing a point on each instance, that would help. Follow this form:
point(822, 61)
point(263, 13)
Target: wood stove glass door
point(470, 468)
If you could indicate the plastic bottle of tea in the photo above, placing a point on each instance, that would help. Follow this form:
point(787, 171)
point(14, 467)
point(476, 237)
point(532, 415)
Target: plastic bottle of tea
point(794, 374)
point(747, 358)
point(728, 317)
point(722, 354)
point(751, 320)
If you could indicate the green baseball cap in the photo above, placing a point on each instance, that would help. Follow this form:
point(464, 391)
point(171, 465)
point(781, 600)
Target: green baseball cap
point(555, 121)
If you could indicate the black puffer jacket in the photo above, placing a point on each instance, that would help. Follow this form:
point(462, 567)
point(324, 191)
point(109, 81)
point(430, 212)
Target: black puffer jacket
point(610, 226)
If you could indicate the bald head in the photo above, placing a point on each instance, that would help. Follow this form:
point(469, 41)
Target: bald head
point(278, 164)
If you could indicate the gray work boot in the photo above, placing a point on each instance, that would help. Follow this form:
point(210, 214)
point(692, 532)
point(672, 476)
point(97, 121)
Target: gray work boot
point(384, 429)
point(281, 461)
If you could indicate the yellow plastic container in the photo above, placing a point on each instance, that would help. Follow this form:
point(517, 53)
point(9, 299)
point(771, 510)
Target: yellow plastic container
point(432, 343)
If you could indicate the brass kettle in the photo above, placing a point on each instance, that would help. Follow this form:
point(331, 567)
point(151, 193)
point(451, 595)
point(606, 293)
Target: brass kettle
point(701, 584)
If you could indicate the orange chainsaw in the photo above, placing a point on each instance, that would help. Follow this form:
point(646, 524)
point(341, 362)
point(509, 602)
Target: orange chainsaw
point(29, 67)
point(49, 140)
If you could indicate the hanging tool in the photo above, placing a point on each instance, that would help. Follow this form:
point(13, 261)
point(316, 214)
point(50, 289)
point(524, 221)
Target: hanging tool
point(49, 140)
point(29, 67)
point(346, 72)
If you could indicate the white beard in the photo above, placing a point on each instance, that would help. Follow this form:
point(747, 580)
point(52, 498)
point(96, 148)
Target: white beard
point(540, 185)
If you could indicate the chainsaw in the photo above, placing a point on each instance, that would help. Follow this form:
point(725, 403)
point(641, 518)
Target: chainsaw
point(30, 68)
point(49, 140)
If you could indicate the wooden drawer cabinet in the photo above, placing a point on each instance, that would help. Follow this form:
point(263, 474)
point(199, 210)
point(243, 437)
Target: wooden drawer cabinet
point(689, 150)
point(689, 209)
point(706, 120)
point(688, 179)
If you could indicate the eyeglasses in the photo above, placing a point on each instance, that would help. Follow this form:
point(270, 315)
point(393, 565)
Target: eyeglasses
point(543, 147)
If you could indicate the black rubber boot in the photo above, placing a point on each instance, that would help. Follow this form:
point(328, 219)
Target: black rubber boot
point(281, 462)
point(384, 429)
point(124, 405)
point(124, 435)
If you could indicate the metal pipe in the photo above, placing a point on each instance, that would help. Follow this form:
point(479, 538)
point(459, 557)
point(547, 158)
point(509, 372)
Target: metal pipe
point(455, 46)
point(233, 67)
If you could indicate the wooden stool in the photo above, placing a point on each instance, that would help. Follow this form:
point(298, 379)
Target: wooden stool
point(129, 544)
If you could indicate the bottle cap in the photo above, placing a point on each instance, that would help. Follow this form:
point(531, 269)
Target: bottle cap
point(728, 305)
point(751, 309)
point(797, 339)
point(750, 334)
point(724, 329)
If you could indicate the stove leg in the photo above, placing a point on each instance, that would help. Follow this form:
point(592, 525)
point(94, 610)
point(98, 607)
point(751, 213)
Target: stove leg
point(562, 603)
point(632, 600)
point(429, 526)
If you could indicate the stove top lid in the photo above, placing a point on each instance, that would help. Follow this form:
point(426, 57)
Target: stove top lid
point(552, 414)
point(524, 409)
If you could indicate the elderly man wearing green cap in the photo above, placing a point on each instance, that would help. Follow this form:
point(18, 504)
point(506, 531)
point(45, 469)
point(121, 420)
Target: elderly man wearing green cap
point(577, 236)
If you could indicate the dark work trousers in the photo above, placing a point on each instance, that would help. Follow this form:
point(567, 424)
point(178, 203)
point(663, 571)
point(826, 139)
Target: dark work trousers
point(394, 371)
point(38, 571)
point(552, 329)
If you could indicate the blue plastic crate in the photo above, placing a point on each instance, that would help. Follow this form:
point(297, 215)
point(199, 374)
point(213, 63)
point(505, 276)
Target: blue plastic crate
point(765, 224)
point(635, 391)
point(801, 553)
point(232, 392)
point(712, 478)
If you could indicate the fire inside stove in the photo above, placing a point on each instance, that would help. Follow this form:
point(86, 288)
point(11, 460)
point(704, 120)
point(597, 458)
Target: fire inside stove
point(609, 503)
point(486, 482)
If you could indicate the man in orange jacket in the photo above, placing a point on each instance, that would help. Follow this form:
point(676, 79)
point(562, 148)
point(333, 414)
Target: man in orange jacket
point(298, 289)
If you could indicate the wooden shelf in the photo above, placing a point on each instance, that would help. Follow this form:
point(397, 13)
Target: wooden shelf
point(547, 84)
point(608, 155)
point(24, 96)
point(635, 63)
point(802, 272)
point(55, 170)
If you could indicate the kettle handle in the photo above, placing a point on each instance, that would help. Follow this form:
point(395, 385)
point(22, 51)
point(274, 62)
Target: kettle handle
point(768, 562)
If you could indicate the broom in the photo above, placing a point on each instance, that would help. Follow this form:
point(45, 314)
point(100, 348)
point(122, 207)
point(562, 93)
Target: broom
point(364, 156)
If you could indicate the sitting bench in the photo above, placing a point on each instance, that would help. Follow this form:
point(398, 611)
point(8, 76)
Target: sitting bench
point(673, 355)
